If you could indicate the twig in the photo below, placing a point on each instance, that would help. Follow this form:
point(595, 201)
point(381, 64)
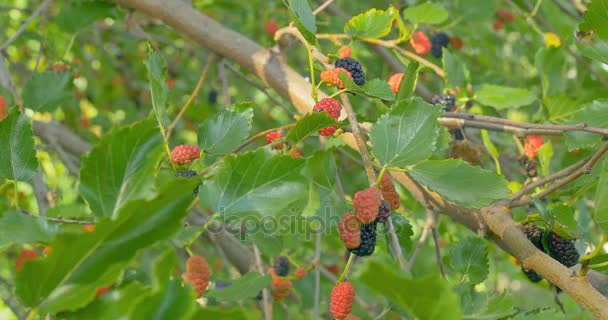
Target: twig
point(322, 7)
point(438, 251)
point(60, 220)
point(27, 22)
point(453, 123)
point(265, 294)
point(193, 96)
point(317, 264)
point(261, 88)
point(221, 72)
point(564, 172)
point(261, 134)
point(550, 127)
point(423, 235)
point(41, 192)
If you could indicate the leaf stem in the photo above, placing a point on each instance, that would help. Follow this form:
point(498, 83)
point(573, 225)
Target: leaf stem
point(380, 176)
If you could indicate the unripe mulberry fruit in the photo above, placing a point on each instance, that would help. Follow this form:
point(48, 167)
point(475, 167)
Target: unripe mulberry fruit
point(331, 77)
point(420, 42)
point(330, 105)
point(532, 145)
point(389, 193)
point(349, 229)
point(328, 131)
point(353, 67)
point(300, 273)
point(504, 15)
point(368, 240)
point(344, 52)
point(184, 154)
point(563, 250)
point(24, 256)
point(366, 203)
point(341, 300)
point(395, 81)
point(281, 266)
point(497, 25)
point(197, 274)
point(272, 136)
point(456, 43)
point(280, 288)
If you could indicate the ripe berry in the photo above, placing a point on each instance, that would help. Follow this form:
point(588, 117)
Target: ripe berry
point(349, 229)
point(497, 25)
point(563, 250)
point(354, 67)
point(185, 153)
point(531, 275)
point(341, 300)
point(271, 27)
point(344, 52)
point(532, 145)
point(332, 106)
point(272, 136)
point(281, 266)
point(389, 193)
point(438, 42)
point(24, 256)
point(368, 240)
point(332, 79)
point(366, 203)
point(395, 81)
point(197, 274)
point(447, 100)
point(420, 42)
point(456, 43)
point(300, 273)
point(504, 15)
point(384, 211)
point(534, 234)
point(212, 97)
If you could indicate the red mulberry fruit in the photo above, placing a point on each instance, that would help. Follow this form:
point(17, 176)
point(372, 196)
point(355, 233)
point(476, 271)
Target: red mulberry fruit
point(366, 203)
point(184, 154)
point(349, 229)
point(197, 274)
point(341, 300)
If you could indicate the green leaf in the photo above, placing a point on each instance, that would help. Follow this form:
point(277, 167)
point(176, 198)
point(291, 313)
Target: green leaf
point(259, 181)
point(46, 91)
point(305, 21)
point(593, 114)
point(75, 17)
point(473, 10)
point(120, 168)
point(371, 24)
point(456, 72)
point(321, 171)
point(17, 154)
point(595, 19)
point(545, 154)
point(426, 13)
point(551, 64)
point(406, 134)
point(247, 286)
point(224, 314)
point(157, 73)
point(8, 96)
point(224, 132)
point(310, 124)
point(425, 297)
point(560, 219)
point(491, 147)
point(600, 212)
point(469, 258)
point(80, 263)
point(503, 98)
point(408, 82)
point(460, 182)
point(113, 305)
point(561, 107)
point(174, 302)
point(374, 88)
point(20, 228)
point(484, 306)
point(596, 50)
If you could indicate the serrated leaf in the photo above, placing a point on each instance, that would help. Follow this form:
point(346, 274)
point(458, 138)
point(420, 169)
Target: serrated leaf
point(408, 82)
point(426, 13)
point(593, 114)
point(321, 172)
point(75, 17)
point(561, 107)
point(254, 182)
point(596, 50)
point(595, 19)
point(503, 98)
point(469, 259)
point(247, 286)
point(46, 91)
point(120, 168)
point(600, 212)
point(19, 228)
point(17, 154)
point(113, 305)
point(174, 302)
point(80, 263)
point(460, 182)
point(305, 21)
point(560, 218)
point(484, 306)
point(224, 132)
point(426, 297)
point(374, 88)
point(371, 24)
point(310, 124)
point(455, 70)
point(157, 74)
point(406, 134)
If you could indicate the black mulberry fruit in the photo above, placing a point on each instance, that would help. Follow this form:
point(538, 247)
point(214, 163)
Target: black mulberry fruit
point(281, 266)
point(438, 42)
point(447, 100)
point(534, 234)
point(563, 250)
point(368, 240)
point(353, 67)
point(457, 134)
point(532, 275)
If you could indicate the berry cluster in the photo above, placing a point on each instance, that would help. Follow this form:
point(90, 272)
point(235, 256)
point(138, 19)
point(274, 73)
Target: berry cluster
point(184, 154)
point(272, 136)
point(438, 42)
point(447, 100)
point(333, 108)
point(353, 67)
point(197, 274)
point(341, 300)
point(279, 287)
point(420, 42)
point(331, 77)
